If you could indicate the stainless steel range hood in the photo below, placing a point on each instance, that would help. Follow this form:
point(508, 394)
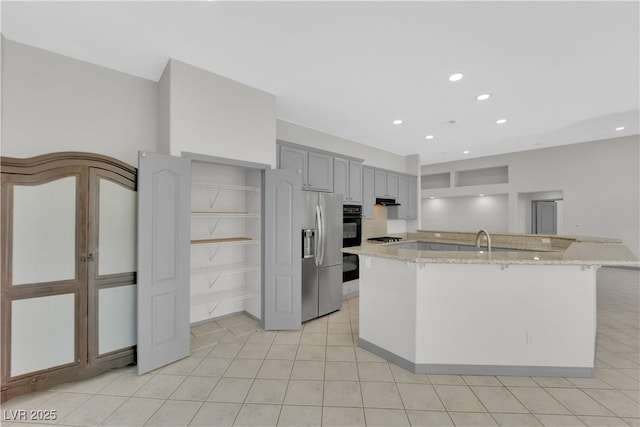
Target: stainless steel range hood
point(386, 202)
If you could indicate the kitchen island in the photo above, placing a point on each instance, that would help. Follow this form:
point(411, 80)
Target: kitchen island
point(528, 307)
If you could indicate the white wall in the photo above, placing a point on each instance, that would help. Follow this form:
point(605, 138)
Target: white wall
point(54, 103)
point(212, 115)
point(291, 132)
point(489, 212)
point(600, 183)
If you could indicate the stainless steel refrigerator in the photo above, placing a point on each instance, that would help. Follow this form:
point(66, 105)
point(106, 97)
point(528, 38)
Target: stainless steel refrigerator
point(321, 256)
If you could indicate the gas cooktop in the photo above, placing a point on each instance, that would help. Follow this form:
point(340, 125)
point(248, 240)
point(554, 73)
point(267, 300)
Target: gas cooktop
point(385, 239)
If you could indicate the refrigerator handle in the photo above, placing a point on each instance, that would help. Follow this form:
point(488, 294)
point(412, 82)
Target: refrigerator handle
point(318, 238)
point(322, 236)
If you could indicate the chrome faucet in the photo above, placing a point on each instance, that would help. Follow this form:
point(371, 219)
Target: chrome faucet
point(486, 233)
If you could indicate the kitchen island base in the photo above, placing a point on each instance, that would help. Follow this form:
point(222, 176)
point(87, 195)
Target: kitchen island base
point(479, 319)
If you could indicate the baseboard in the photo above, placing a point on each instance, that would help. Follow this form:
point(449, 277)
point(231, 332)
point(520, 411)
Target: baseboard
point(450, 369)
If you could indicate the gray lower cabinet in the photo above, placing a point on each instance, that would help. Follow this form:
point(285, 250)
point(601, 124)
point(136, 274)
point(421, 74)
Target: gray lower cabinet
point(347, 179)
point(368, 192)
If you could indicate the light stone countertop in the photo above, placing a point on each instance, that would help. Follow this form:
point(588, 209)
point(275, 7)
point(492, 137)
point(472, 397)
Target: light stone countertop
point(560, 250)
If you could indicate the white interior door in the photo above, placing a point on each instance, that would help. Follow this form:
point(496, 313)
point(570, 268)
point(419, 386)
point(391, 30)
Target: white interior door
point(164, 205)
point(282, 294)
point(545, 216)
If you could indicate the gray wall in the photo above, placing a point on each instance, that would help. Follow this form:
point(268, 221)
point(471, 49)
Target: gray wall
point(54, 103)
point(599, 181)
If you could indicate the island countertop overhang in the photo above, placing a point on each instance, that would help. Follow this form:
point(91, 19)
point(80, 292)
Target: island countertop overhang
point(540, 250)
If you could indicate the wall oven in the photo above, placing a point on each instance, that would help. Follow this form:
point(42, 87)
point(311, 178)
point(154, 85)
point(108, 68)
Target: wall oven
point(351, 236)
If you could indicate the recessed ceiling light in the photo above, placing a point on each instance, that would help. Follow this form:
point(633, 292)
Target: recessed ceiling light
point(431, 197)
point(428, 137)
point(481, 195)
point(620, 128)
point(455, 77)
point(483, 97)
point(465, 152)
point(501, 121)
point(397, 122)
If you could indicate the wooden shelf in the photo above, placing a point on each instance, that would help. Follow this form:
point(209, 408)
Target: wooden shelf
point(225, 241)
point(225, 187)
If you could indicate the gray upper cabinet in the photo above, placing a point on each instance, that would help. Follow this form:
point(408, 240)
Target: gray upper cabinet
point(296, 159)
point(355, 181)
point(386, 184)
point(368, 192)
point(315, 167)
point(341, 177)
point(407, 197)
point(380, 179)
point(392, 185)
point(403, 197)
point(412, 205)
point(320, 168)
point(347, 179)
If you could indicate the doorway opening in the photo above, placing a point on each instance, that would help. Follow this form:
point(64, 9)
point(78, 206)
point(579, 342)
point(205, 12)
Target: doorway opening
point(544, 216)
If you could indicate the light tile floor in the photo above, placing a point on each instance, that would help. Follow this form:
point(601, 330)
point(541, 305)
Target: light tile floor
point(238, 374)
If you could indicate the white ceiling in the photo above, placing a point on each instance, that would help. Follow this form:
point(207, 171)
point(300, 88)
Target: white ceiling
point(560, 72)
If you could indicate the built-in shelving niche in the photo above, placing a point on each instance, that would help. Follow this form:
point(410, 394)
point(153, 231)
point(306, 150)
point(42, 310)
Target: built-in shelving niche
point(436, 180)
point(226, 268)
point(484, 176)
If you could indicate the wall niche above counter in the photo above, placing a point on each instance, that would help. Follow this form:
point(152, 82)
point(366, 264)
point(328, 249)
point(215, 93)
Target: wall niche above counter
point(466, 178)
point(436, 180)
point(484, 176)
